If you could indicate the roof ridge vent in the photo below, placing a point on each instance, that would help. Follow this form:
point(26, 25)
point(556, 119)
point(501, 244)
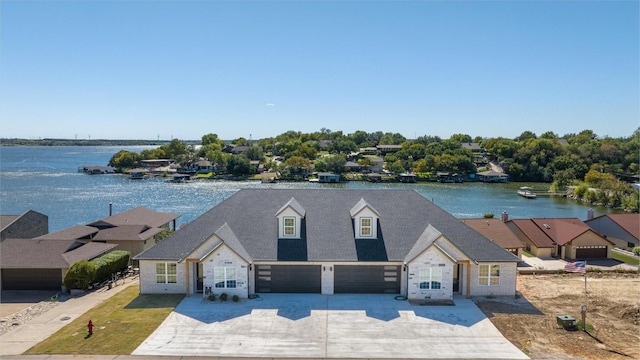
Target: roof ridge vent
point(547, 226)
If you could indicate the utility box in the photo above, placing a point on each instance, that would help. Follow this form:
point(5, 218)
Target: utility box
point(566, 321)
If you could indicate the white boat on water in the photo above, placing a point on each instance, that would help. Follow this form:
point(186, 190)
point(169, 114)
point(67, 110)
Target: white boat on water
point(526, 192)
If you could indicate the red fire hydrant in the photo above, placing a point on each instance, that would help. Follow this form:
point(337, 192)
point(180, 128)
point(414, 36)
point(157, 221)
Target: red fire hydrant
point(90, 327)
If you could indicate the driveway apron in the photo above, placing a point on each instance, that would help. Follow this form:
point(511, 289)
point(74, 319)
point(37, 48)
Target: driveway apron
point(328, 326)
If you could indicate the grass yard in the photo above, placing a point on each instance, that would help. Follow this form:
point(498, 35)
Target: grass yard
point(120, 324)
point(624, 258)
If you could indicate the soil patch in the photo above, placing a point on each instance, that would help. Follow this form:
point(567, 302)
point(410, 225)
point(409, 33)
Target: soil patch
point(529, 321)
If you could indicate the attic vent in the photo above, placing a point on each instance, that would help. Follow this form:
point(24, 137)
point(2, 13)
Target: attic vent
point(547, 226)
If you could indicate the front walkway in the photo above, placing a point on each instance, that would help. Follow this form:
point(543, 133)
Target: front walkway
point(328, 326)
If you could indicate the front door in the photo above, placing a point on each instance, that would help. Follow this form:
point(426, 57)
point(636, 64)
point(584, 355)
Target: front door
point(199, 277)
point(457, 270)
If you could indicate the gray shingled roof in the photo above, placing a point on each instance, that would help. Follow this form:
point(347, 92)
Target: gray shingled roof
point(250, 214)
point(47, 254)
point(72, 233)
point(127, 232)
point(138, 216)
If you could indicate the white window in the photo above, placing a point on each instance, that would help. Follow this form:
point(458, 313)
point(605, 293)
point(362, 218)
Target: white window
point(430, 278)
point(166, 273)
point(365, 227)
point(489, 275)
point(289, 226)
point(224, 277)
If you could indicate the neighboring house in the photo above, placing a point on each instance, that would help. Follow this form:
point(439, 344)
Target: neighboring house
point(256, 166)
point(378, 164)
point(473, 147)
point(156, 163)
point(497, 231)
point(133, 230)
point(385, 149)
point(40, 264)
point(328, 241)
point(492, 176)
point(564, 238)
point(621, 229)
point(203, 166)
point(26, 226)
point(328, 178)
point(132, 238)
point(138, 216)
point(352, 166)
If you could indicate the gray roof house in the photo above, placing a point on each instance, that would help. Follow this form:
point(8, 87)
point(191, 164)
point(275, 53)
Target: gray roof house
point(328, 241)
point(27, 264)
point(28, 225)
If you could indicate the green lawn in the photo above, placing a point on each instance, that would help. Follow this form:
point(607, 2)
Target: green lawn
point(120, 324)
point(624, 258)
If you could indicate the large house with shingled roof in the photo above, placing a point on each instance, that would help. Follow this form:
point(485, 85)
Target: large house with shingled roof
point(328, 241)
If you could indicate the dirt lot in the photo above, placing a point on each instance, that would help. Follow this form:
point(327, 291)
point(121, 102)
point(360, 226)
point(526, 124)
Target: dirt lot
point(613, 309)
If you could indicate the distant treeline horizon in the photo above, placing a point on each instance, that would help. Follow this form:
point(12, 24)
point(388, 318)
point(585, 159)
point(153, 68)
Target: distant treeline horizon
point(159, 142)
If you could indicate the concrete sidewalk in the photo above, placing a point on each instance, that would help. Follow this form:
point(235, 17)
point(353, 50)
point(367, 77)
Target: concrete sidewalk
point(27, 335)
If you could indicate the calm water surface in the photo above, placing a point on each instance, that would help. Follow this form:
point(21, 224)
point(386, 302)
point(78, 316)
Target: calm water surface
point(45, 179)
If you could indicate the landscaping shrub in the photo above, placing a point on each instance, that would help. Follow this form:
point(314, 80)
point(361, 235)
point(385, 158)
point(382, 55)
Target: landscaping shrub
point(636, 251)
point(110, 263)
point(84, 273)
point(235, 298)
point(212, 297)
point(80, 275)
point(223, 297)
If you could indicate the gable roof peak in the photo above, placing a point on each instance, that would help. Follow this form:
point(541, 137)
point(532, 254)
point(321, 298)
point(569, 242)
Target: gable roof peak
point(361, 204)
point(293, 204)
point(229, 238)
point(426, 239)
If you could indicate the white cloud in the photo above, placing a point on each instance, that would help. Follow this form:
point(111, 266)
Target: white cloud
point(271, 104)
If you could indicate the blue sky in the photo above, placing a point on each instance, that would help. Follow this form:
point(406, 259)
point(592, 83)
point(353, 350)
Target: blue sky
point(182, 69)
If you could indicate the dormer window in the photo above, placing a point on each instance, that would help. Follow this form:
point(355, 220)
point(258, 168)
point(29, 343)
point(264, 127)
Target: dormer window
point(290, 218)
point(365, 220)
point(289, 226)
point(365, 227)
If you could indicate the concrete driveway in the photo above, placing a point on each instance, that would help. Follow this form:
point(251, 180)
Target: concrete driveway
point(333, 326)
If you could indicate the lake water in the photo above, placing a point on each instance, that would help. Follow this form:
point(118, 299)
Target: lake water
point(46, 179)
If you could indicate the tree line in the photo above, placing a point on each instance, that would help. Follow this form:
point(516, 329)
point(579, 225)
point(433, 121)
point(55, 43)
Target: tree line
point(564, 161)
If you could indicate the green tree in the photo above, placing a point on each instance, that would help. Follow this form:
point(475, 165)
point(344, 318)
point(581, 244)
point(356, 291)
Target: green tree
point(396, 167)
point(392, 139)
point(241, 142)
point(255, 153)
point(461, 138)
point(211, 139)
point(124, 160)
point(296, 167)
point(239, 165)
point(335, 163)
point(342, 146)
